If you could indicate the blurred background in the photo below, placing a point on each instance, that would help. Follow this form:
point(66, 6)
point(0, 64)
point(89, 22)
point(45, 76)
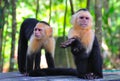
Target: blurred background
point(106, 17)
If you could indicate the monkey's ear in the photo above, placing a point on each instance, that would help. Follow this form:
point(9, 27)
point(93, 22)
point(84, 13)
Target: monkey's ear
point(49, 31)
point(72, 19)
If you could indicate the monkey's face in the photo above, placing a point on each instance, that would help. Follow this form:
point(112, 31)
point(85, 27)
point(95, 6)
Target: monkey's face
point(83, 19)
point(39, 31)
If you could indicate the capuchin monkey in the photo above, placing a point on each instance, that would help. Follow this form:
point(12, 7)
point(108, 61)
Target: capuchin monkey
point(39, 35)
point(84, 47)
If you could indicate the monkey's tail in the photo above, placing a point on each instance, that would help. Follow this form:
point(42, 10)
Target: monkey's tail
point(53, 72)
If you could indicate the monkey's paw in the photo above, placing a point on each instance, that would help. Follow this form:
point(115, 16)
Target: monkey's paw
point(26, 74)
point(67, 43)
point(90, 76)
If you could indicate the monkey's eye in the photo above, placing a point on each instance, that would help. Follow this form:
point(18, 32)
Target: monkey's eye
point(87, 18)
point(84, 17)
point(37, 29)
point(81, 17)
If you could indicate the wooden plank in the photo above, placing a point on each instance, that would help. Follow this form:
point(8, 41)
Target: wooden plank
point(16, 76)
point(10, 74)
point(111, 75)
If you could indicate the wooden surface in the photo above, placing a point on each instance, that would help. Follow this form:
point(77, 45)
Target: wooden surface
point(16, 76)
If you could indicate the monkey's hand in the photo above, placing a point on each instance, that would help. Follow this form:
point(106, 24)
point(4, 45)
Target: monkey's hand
point(77, 48)
point(69, 42)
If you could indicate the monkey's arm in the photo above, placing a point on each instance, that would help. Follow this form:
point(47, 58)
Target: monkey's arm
point(80, 56)
point(77, 48)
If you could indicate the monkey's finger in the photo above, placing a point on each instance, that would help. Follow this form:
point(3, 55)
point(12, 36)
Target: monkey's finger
point(62, 46)
point(65, 45)
point(71, 40)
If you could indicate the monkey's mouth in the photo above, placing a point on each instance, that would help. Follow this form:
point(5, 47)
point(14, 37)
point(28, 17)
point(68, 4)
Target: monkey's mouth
point(83, 25)
point(37, 36)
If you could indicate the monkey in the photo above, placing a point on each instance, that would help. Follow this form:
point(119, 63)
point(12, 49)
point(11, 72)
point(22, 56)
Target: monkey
point(34, 36)
point(84, 47)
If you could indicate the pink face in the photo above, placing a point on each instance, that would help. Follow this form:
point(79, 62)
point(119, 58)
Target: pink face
point(39, 32)
point(83, 19)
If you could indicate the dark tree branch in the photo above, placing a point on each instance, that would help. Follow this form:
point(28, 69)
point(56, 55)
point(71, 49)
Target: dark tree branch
point(88, 4)
point(37, 8)
point(72, 9)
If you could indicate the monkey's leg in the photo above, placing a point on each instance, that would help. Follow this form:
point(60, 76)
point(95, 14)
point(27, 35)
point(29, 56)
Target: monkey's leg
point(37, 60)
point(50, 60)
point(29, 63)
point(81, 67)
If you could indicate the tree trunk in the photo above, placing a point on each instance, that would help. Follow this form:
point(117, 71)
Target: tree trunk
point(1, 34)
point(98, 20)
point(13, 35)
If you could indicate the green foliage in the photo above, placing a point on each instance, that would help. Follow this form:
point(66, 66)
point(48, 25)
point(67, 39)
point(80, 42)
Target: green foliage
point(111, 30)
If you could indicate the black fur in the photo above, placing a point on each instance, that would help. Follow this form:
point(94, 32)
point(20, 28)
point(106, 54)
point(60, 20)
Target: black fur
point(88, 63)
point(83, 9)
point(53, 72)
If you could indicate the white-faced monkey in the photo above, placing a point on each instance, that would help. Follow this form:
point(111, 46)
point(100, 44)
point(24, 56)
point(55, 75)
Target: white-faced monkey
point(39, 35)
point(84, 47)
